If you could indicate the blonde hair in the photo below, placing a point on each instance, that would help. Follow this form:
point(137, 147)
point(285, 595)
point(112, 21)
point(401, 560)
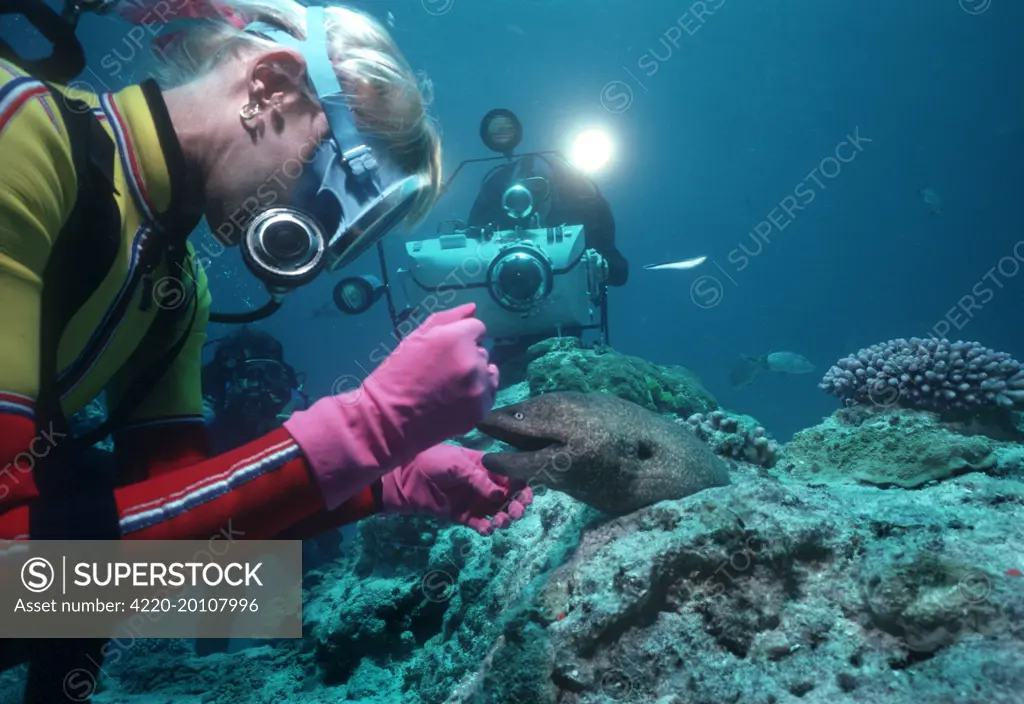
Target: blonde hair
point(386, 97)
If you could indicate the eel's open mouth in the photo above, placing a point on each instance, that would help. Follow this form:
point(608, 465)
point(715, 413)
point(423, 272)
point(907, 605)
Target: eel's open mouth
point(520, 441)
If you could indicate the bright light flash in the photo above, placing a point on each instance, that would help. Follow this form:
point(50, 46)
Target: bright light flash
point(591, 150)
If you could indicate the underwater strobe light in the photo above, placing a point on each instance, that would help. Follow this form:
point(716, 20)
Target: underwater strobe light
point(501, 131)
point(357, 294)
point(591, 150)
point(520, 277)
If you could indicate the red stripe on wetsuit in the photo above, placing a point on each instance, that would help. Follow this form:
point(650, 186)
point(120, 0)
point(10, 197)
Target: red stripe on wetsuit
point(167, 464)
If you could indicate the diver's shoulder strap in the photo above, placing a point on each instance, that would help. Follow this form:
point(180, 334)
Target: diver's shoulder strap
point(80, 259)
point(81, 256)
point(84, 250)
point(76, 489)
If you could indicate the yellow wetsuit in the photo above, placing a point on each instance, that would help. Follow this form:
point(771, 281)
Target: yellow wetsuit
point(37, 192)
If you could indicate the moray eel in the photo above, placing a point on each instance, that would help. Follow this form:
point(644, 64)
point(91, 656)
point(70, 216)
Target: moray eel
point(602, 450)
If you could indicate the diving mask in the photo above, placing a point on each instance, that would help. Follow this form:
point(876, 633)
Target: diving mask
point(350, 192)
point(259, 386)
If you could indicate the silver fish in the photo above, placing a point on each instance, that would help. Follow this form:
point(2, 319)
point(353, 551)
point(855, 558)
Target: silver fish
point(679, 266)
point(748, 369)
point(789, 363)
point(932, 200)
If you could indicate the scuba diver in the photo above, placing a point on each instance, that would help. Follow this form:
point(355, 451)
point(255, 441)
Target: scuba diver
point(556, 193)
point(316, 145)
point(561, 195)
point(248, 389)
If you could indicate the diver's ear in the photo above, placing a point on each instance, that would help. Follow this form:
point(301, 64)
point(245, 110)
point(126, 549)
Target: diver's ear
point(278, 79)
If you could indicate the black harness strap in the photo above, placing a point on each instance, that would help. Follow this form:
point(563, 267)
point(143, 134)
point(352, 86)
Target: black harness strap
point(76, 498)
point(82, 254)
point(67, 59)
point(75, 482)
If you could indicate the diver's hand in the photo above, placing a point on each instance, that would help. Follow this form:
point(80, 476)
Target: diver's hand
point(450, 482)
point(598, 264)
point(436, 385)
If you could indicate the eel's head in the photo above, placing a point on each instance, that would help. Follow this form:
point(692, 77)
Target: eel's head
point(538, 428)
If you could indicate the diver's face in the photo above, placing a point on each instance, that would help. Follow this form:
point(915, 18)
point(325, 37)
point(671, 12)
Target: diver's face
point(251, 405)
point(259, 389)
point(260, 163)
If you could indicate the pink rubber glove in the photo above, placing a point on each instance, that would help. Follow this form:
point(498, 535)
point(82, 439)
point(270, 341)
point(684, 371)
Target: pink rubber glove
point(437, 384)
point(450, 482)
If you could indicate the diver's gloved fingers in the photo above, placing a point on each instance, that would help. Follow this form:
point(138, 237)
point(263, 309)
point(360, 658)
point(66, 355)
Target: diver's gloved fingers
point(483, 526)
point(517, 506)
point(524, 497)
point(512, 511)
point(480, 485)
point(518, 499)
point(452, 315)
point(470, 328)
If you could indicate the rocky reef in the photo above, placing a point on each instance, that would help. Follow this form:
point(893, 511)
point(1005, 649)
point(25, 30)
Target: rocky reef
point(878, 560)
point(899, 447)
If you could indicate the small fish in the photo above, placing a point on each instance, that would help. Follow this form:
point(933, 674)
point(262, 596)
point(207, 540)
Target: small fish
point(931, 198)
point(747, 369)
point(678, 266)
point(391, 20)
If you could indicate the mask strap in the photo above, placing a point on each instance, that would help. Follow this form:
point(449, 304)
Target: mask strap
point(313, 49)
point(318, 62)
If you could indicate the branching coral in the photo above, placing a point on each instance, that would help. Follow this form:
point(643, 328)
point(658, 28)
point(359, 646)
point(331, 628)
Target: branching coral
point(936, 375)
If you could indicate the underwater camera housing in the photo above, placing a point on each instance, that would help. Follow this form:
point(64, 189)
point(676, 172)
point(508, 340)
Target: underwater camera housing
point(535, 278)
point(524, 282)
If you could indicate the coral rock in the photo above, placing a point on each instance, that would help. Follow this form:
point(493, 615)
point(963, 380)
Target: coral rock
point(561, 364)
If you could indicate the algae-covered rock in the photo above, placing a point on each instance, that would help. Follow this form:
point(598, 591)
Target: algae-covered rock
point(772, 592)
point(894, 446)
point(562, 364)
